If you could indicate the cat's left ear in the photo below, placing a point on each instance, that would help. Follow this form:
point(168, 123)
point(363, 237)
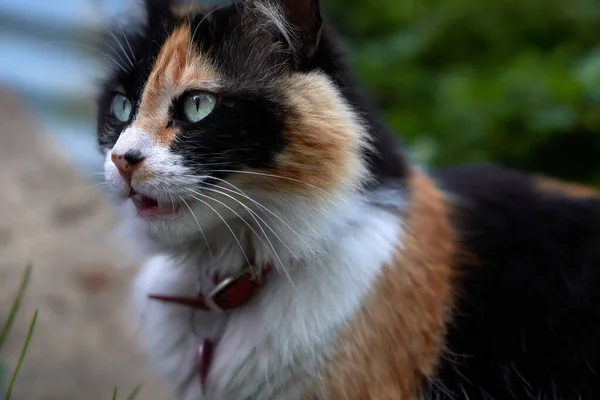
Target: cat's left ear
point(305, 16)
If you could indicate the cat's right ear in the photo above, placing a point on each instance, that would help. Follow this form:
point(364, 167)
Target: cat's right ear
point(305, 17)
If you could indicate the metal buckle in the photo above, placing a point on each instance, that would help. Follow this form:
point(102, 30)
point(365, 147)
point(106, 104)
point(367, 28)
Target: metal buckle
point(222, 286)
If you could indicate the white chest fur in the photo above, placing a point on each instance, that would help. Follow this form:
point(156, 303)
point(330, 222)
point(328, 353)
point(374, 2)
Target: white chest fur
point(273, 346)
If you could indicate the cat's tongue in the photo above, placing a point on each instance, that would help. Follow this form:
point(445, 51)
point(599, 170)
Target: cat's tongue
point(150, 207)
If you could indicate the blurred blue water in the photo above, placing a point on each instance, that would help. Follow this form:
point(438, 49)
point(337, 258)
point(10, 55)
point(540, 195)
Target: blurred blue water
point(46, 62)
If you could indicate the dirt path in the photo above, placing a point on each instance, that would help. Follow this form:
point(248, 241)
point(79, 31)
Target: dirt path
point(84, 343)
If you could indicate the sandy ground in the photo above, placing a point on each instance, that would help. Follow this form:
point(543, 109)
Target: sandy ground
point(84, 342)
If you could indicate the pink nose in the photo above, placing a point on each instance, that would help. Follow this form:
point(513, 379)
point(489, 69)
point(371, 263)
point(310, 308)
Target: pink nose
point(127, 163)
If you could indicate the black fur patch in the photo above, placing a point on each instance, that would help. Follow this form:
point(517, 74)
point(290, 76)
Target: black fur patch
point(244, 130)
point(527, 321)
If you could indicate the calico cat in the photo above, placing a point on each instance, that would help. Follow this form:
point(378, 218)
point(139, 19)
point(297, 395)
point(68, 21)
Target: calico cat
point(296, 252)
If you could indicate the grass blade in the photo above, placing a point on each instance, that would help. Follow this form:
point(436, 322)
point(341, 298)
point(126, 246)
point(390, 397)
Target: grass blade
point(115, 393)
point(135, 392)
point(23, 353)
point(15, 306)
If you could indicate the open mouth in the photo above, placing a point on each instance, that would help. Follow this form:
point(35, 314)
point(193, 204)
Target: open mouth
point(149, 207)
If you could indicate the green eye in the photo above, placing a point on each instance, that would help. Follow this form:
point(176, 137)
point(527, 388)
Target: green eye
point(197, 106)
point(121, 108)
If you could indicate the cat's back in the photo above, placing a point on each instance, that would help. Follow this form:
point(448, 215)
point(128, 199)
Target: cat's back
point(527, 315)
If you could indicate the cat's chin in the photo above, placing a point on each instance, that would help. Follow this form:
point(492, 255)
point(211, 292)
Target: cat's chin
point(158, 229)
point(168, 231)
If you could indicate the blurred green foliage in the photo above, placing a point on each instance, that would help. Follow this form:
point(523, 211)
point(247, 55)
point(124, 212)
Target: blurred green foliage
point(509, 81)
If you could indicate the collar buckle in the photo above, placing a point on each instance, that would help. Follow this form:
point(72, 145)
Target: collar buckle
point(211, 300)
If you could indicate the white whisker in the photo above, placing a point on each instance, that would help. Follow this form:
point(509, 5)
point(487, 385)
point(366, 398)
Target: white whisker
point(230, 209)
point(255, 215)
point(254, 231)
point(202, 20)
point(199, 227)
point(120, 45)
point(94, 49)
point(228, 227)
point(165, 28)
point(189, 48)
point(242, 193)
point(126, 41)
point(271, 176)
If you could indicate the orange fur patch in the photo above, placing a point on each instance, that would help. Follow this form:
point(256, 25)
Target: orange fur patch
point(396, 339)
point(325, 140)
point(178, 67)
point(568, 189)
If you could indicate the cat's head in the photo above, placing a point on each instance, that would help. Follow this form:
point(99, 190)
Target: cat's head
point(210, 107)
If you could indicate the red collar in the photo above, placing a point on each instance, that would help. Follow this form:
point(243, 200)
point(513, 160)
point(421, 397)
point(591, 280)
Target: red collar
point(229, 293)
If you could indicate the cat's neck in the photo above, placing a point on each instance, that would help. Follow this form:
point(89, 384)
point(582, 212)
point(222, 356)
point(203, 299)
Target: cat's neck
point(288, 235)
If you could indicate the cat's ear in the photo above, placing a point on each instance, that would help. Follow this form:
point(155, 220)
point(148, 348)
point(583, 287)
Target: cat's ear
point(305, 17)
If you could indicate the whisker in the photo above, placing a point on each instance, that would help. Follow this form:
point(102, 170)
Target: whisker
point(242, 193)
point(253, 213)
point(254, 231)
point(165, 28)
point(254, 216)
point(100, 185)
point(233, 211)
point(268, 375)
point(271, 176)
point(203, 165)
point(119, 44)
point(257, 235)
point(93, 49)
point(187, 11)
point(228, 227)
point(197, 222)
point(126, 41)
point(202, 20)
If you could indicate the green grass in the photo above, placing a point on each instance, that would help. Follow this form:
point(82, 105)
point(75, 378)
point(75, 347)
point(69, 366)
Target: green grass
point(15, 306)
point(22, 357)
point(135, 392)
point(132, 396)
point(8, 325)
